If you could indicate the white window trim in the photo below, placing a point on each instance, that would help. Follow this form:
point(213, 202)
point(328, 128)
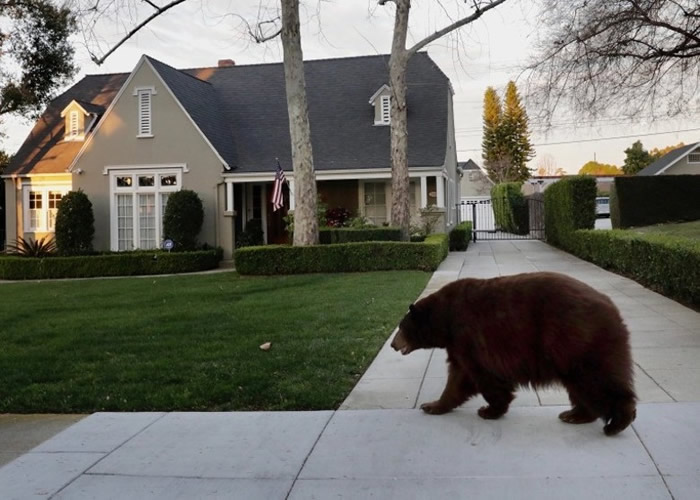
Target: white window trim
point(387, 197)
point(44, 189)
point(138, 92)
point(694, 153)
point(135, 190)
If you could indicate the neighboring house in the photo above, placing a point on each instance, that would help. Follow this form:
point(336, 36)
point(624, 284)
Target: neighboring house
point(129, 140)
point(685, 160)
point(475, 182)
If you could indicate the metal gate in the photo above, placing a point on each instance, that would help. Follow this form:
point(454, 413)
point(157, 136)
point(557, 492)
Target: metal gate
point(524, 222)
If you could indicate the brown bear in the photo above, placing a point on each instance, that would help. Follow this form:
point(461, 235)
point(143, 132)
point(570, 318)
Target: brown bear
point(529, 329)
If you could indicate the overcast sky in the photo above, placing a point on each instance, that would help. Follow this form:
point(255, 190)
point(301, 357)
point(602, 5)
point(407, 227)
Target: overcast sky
point(486, 53)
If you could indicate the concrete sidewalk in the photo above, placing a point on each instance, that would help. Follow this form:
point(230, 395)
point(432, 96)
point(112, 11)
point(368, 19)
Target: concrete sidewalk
point(399, 452)
point(382, 454)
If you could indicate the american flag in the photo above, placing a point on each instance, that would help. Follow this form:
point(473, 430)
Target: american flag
point(277, 198)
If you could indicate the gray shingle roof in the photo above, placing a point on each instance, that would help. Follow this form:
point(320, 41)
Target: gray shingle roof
point(468, 165)
point(202, 103)
point(667, 159)
point(242, 110)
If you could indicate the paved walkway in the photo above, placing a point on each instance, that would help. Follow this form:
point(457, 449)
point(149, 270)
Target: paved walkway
point(401, 453)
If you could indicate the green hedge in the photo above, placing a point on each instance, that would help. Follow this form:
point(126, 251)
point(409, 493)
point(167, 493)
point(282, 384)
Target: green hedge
point(569, 204)
point(460, 236)
point(647, 200)
point(667, 264)
point(343, 257)
point(510, 207)
point(115, 264)
point(328, 235)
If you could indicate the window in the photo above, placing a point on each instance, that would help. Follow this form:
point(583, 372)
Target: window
point(145, 118)
point(375, 202)
point(54, 198)
point(139, 200)
point(35, 210)
point(385, 109)
point(41, 206)
point(694, 158)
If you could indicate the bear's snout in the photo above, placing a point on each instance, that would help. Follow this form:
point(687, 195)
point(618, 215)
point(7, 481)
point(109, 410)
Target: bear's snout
point(400, 344)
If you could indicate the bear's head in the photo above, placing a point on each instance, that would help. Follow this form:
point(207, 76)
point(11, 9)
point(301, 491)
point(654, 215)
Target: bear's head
point(414, 331)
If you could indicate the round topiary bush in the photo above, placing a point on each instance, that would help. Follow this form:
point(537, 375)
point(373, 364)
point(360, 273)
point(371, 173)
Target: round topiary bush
point(75, 224)
point(183, 219)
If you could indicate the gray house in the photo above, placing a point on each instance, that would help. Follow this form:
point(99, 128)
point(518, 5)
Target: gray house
point(129, 140)
point(685, 160)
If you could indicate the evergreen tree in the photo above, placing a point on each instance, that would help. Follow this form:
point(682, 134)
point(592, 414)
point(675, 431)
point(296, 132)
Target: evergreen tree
point(636, 158)
point(516, 134)
point(492, 146)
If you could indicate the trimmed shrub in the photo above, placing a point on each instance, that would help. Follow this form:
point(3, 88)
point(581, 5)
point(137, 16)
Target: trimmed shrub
point(670, 265)
point(183, 219)
point(343, 257)
point(647, 200)
point(569, 204)
point(460, 236)
point(75, 224)
point(510, 207)
point(114, 264)
point(329, 235)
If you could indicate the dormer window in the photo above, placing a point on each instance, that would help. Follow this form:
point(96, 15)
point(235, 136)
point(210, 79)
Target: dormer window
point(145, 116)
point(78, 118)
point(381, 100)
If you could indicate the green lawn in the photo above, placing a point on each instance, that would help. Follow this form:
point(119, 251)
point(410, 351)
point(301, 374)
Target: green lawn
point(192, 342)
point(683, 229)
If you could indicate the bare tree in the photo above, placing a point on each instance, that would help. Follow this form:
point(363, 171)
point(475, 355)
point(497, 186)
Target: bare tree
point(398, 63)
point(616, 56)
point(547, 165)
point(305, 221)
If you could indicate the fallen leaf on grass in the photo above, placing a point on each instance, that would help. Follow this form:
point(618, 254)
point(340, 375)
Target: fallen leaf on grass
point(266, 346)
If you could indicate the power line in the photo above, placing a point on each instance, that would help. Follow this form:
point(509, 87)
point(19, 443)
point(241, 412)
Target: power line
point(632, 136)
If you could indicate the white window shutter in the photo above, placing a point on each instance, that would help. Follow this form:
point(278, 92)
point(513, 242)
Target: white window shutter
point(386, 109)
point(145, 119)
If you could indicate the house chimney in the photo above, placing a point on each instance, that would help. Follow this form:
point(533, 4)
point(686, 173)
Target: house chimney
point(226, 63)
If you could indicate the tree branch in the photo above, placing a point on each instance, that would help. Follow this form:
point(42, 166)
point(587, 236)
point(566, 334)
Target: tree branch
point(158, 12)
point(458, 24)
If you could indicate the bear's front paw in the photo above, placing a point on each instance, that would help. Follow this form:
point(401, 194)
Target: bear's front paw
point(434, 408)
point(490, 413)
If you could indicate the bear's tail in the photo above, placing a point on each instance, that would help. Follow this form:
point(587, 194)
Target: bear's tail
point(623, 413)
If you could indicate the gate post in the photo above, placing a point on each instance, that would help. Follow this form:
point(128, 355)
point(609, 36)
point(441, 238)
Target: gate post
point(474, 221)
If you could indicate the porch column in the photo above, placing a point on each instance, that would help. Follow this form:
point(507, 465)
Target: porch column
point(423, 192)
point(291, 194)
point(440, 184)
point(263, 211)
point(229, 197)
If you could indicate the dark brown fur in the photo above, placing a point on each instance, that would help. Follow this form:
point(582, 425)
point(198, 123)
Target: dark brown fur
point(528, 329)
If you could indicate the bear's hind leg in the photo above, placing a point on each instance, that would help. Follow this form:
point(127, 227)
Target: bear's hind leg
point(498, 394)
point(579, 413)
point(459, 388)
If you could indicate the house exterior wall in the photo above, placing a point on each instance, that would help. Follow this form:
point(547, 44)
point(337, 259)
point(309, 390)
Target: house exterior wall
point(475, 183)
point(683, 167)
point(11, 206)
point(175, 141)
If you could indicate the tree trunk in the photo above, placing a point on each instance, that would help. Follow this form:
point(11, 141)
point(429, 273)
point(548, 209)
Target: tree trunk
point(305, 221)
point(400, 204)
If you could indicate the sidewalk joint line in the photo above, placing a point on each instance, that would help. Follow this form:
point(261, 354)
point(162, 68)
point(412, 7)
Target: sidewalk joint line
point(653, 462)
point(313, 447)
point(106, 455)
point(422, 380)
point(657, 384)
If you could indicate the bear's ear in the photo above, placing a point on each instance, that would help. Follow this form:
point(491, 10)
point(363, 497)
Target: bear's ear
point(416, 313)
